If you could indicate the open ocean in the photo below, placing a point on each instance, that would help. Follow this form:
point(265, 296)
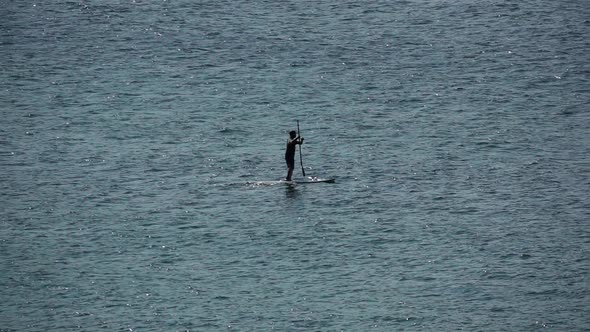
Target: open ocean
point(458, 133)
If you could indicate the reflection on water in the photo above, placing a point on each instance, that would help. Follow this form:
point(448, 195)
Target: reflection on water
point(291, 192)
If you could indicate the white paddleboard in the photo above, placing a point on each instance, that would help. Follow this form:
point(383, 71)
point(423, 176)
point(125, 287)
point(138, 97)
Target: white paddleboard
point(310, 179)
point(315, 179)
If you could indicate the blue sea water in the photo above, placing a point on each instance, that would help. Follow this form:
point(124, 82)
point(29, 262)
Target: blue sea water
point(457, 132)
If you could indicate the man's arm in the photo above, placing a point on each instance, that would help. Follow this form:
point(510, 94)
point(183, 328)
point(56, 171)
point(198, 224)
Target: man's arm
point(296, 140)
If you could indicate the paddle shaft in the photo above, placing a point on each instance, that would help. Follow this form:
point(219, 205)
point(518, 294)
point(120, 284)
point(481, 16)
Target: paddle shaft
point(300, 155)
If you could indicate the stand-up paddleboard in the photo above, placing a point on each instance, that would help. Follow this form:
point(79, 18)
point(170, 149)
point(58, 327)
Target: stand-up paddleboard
point(308, 180)
point(315, 179)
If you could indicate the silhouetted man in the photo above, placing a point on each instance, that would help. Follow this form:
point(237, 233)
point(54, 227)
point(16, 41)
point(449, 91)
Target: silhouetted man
point(290, 152)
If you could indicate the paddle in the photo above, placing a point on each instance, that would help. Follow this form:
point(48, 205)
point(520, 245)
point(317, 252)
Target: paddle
point(300, 155)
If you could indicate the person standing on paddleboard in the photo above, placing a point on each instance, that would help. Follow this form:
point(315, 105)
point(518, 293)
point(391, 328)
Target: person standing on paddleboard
point(290, 152)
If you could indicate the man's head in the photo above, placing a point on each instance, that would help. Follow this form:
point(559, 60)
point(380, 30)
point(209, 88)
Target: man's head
point(293, 133)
